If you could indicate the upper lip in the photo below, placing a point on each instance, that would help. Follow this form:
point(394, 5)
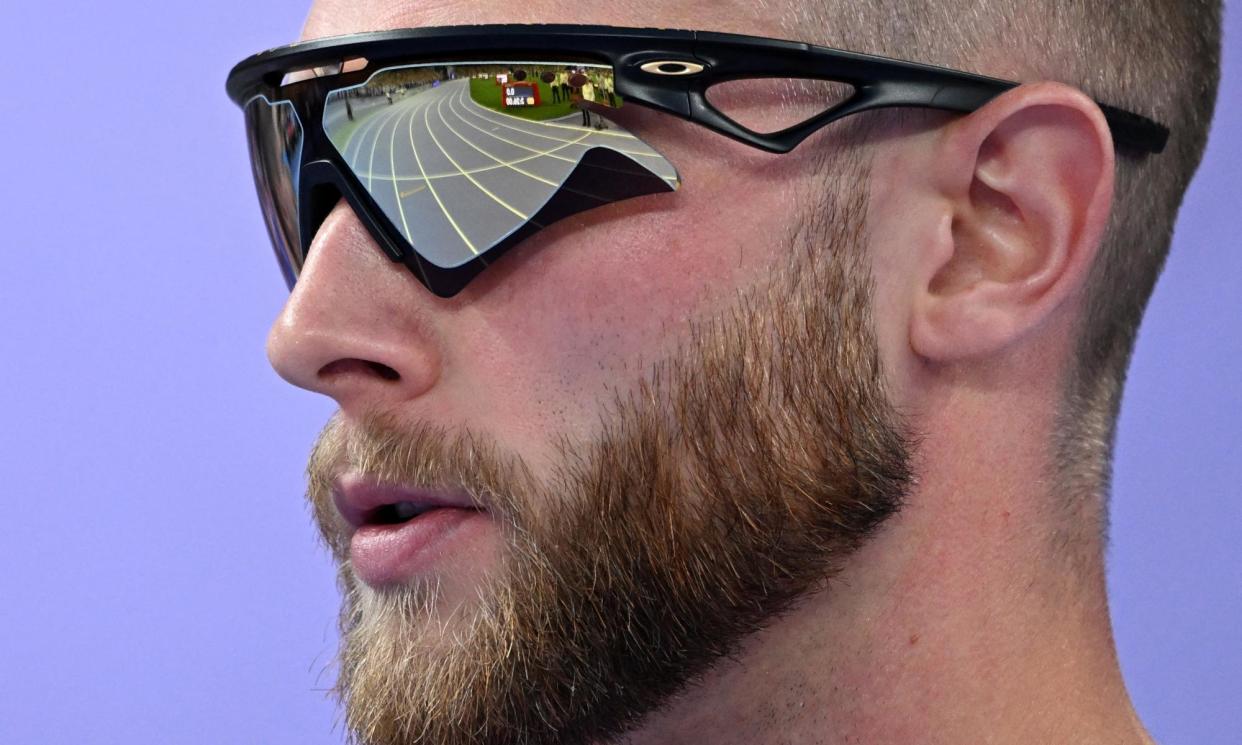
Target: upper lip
point(357, 498)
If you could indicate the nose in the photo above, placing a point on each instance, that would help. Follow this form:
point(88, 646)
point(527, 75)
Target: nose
point(357, 326)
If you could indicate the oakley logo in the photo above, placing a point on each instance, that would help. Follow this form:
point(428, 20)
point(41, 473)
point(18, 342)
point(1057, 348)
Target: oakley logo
point(672, 67)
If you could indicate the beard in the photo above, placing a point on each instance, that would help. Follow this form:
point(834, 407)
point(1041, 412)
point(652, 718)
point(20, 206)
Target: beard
point(733, 481)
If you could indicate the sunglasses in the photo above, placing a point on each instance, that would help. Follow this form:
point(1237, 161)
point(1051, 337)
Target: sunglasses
point(454, 144)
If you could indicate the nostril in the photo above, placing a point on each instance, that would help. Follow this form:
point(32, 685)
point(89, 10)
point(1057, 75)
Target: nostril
point(345, 366)
point(384, 371)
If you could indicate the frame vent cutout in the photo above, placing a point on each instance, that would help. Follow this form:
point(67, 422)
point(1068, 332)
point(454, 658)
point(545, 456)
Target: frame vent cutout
point(769, 105)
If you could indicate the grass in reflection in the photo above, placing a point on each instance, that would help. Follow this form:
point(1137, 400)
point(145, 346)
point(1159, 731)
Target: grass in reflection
point(487, 93)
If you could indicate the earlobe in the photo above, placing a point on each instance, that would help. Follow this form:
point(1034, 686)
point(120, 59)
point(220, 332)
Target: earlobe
point(1026, 185)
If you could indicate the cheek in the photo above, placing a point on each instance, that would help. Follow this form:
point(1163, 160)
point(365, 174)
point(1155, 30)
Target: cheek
point(579, 312)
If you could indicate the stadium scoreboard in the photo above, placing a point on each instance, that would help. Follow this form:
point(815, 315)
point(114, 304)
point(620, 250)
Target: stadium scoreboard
point(520, 95)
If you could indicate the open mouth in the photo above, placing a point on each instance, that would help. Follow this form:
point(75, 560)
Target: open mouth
point(399, 534)
point(365, 503)
point(396, 514)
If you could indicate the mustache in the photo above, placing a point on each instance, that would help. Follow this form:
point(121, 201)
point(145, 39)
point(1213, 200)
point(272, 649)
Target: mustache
point(381, 447)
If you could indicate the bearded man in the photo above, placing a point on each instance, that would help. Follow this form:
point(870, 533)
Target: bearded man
point(780, 411)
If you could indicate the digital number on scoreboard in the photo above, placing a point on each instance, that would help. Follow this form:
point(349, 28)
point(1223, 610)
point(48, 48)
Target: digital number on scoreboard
point(520, 95)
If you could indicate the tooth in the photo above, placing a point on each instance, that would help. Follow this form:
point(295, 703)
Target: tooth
point(403, 511)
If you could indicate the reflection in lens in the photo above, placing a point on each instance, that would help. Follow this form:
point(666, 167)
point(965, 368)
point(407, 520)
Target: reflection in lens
point(275, 136)
point(461, 156)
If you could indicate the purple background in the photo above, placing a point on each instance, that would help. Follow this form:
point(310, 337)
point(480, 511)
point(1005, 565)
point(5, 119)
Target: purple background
point(161, 578)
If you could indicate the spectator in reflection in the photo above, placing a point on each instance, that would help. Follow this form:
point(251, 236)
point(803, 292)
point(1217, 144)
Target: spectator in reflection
point(578, 101)
point(555, 86)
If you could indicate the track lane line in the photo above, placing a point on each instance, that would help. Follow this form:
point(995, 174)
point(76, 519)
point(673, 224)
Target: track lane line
point(481, 187)
point(397, 113)
point(357, 130)
point(392, 170)
point(369, 173)
point(382, 119)
point(376, 118)
point(500, 163)
point(431, 187)
point(471, 102)
point(537, 152)
point(564, 144)
point(375, 143)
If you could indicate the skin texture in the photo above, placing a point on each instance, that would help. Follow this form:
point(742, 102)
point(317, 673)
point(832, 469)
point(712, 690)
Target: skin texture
point(962, 620)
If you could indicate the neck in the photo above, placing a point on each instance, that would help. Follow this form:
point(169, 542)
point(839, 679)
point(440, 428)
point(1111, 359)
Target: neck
point(953, 625)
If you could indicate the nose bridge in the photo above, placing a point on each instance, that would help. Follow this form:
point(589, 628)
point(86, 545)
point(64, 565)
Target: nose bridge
point(356, 326)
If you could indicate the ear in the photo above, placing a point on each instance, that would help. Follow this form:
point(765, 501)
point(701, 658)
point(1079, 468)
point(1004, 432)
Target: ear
point(1023, 190)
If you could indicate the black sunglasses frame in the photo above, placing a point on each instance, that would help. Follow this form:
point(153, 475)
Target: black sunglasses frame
point(666, 70)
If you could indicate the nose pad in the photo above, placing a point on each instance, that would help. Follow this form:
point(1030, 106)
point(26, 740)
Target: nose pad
point(318, 196)
point(323, 188)
point(320, 202)
point(315, 204)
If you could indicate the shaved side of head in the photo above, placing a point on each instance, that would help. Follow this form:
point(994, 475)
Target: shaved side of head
point(1159, 58)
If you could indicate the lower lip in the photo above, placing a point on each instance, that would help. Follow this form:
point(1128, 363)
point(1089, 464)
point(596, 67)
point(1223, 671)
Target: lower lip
point(394, 554)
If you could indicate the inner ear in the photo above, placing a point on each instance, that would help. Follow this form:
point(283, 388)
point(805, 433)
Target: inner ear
point(989, 243)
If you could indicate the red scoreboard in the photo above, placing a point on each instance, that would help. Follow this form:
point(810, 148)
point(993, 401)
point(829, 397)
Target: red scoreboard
point(520, 95)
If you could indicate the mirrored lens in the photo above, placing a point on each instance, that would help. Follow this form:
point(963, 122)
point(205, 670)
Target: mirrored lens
point(275, 136)
point(460, 156)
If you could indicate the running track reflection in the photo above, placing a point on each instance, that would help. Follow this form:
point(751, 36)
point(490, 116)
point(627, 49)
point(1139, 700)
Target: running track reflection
point(457, 178)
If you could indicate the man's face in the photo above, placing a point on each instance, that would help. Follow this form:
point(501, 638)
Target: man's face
point(671, 410)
